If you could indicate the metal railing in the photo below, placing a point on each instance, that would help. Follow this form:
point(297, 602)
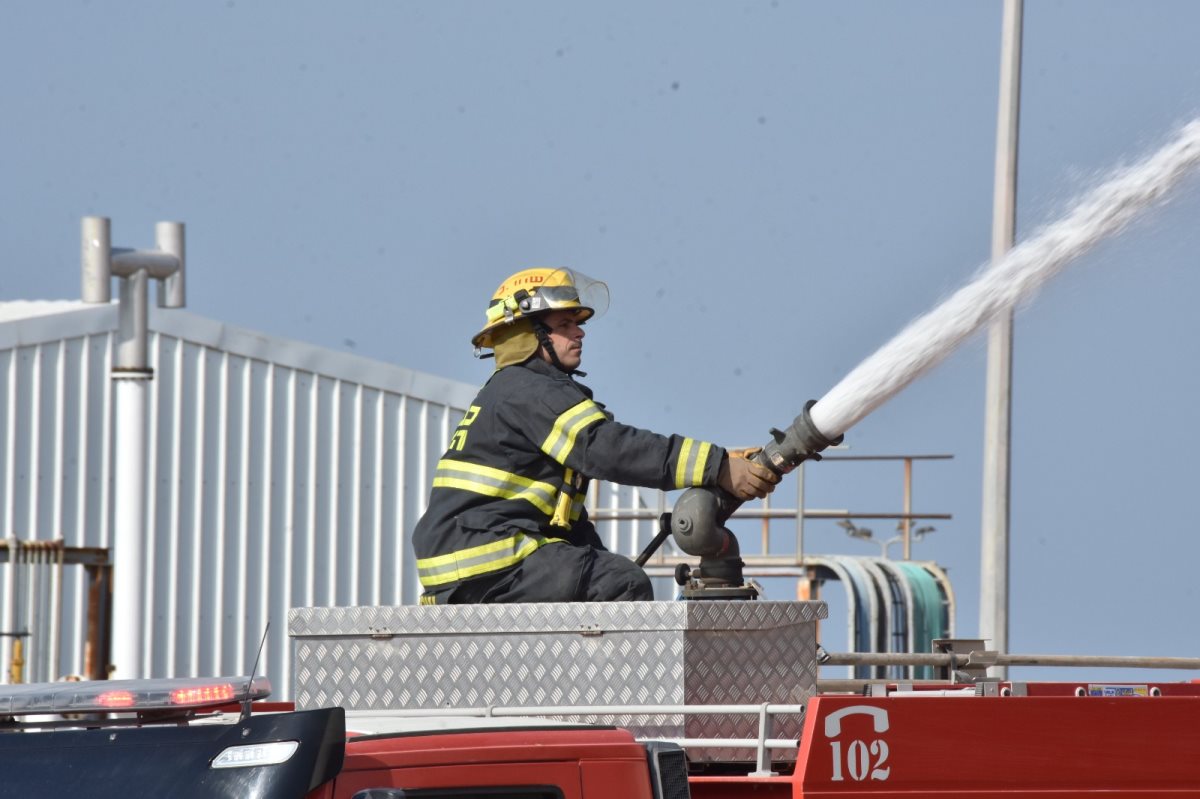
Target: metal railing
point(763, 510)
point(762, 744)
point(764, 741)
point(33, 578)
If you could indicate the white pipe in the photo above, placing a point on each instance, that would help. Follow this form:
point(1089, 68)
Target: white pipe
point(168, 237)
point(133, 325)
point(95, 255)
point(131, 374)
point(56, 612)
point(129, 516)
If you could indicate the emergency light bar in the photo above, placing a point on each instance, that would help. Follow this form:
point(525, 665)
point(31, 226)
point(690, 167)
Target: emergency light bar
point(130, 696)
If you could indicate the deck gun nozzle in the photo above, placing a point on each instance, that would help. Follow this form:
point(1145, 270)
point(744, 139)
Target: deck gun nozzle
point(699, 516)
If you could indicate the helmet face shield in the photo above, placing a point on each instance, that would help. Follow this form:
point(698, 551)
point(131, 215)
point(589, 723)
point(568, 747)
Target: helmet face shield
point(537, 291)
point(566, 288)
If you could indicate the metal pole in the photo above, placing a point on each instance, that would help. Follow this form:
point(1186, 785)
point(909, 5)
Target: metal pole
point(994, 549)
point(800, 513)
point(168, 237)
point(129, 516)
point(956, 660)
point(8, 614)
point(766, 525)
point(96, 256)
point(56, 635)
point(133, 324)
point(906, 522)
point(131, 377)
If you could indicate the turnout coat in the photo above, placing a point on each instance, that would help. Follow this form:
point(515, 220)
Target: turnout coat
point(514, 476)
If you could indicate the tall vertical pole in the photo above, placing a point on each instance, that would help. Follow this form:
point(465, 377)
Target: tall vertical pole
point(906, 523)
point(994, 550)
point(131, 385)
point(131, 375)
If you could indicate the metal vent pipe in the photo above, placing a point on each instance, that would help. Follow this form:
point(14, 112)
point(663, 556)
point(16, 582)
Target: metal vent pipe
point(131, 374)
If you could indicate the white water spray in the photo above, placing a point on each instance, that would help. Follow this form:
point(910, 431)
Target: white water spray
point(927, 340)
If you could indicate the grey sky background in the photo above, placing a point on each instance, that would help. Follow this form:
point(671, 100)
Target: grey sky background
point(770, 189)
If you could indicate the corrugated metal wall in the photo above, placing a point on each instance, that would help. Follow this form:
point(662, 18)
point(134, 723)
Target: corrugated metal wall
point(283, 476)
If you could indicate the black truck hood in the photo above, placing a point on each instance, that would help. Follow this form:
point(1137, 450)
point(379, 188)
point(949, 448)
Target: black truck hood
point(173, 761)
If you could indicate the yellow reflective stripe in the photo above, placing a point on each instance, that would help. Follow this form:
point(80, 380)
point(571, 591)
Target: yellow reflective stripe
point(562, 508)
point(482, 559)
point(520, 548)
point(494, 483)
point(693, 458)
point(576, 508)
point(681, 465)
point(561, 439)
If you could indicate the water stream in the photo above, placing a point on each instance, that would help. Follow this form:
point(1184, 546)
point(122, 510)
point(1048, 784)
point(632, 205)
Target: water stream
point(927, 340)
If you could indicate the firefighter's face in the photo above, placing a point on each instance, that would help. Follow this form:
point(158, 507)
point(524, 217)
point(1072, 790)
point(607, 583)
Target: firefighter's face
point(566, 336)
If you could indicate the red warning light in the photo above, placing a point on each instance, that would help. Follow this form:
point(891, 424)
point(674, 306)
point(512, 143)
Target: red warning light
point(203, 694)
point(116, 699)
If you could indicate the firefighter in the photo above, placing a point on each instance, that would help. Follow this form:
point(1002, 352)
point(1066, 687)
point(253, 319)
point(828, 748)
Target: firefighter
point(506, 519)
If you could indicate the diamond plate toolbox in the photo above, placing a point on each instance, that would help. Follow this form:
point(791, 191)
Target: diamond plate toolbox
point(614, 653)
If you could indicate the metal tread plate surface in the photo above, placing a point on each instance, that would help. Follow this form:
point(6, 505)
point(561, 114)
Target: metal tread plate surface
point(552, 617)
point(620, 653)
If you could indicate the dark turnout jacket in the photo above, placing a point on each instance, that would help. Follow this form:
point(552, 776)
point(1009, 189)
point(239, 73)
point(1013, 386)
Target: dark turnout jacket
point(515, 474)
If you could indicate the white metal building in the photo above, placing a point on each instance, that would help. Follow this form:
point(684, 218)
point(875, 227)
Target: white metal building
point(283, 475)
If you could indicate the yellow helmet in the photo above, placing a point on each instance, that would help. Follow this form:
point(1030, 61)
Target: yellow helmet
point(539, 290)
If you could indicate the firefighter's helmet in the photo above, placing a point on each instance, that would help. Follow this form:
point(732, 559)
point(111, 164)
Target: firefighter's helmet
point(532, 292)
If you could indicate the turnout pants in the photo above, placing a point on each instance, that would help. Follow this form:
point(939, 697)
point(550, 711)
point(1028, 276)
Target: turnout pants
point(557, 572)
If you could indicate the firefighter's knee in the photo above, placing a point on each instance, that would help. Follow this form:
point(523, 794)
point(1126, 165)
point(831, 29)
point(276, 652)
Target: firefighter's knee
point(641, 590)
point(615, 578)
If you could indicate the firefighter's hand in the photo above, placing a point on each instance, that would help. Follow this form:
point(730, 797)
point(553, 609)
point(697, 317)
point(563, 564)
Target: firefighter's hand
point(746, 479)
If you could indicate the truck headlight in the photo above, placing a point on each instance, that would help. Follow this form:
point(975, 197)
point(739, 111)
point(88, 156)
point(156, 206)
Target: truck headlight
point(271, 754)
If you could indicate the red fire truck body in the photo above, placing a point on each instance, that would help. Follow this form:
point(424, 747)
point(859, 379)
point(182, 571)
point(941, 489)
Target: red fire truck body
point(1046, 740)
point(538, 762)
point(1050, 743)
point(183, 738)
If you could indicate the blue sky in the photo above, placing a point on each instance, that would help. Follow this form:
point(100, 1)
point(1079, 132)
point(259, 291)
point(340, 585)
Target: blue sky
point(771, 190)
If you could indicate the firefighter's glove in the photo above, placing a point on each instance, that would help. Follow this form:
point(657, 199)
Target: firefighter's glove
point(744, 478)
point(748, 453)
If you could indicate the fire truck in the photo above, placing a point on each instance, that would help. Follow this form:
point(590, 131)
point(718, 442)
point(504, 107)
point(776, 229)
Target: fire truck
point(639, 700)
